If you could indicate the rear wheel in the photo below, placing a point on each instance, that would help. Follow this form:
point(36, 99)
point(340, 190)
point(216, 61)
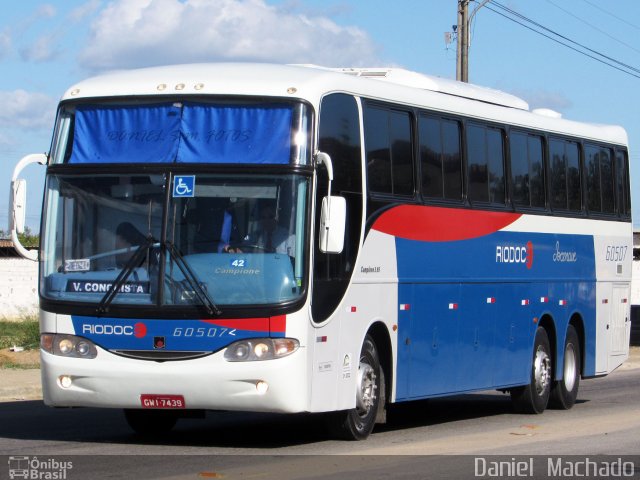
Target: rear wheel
point(565, 391)
point(534, 397)
point(150, 422)
point(357, 423)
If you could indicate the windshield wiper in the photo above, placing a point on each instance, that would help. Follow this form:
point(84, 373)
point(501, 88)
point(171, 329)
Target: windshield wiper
point(138, 257)
point(192, 279)
point(135, 260)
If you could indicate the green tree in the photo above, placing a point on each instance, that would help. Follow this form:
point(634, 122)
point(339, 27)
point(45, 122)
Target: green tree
point(28, 239)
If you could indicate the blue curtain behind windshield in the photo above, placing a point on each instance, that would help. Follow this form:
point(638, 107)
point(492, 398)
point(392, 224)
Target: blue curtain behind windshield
point(189, 133)
point(141, 134)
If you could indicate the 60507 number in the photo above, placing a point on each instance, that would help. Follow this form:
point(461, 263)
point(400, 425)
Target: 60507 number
point(203, 332)
point(616, 253)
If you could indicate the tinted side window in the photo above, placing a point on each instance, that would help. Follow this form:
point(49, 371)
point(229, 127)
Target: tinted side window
point(477, 164)
point(486, 164)
point(622, 183)
point(451, 159)
point(389, 151)
point(607, 179)
point(574, 183)
point(431, 157)
point(339, 136)
point(401, 153)
point(600, 179)
point(527, 171)
point(440, 158)
point(376, 132)
point(558, 171)
point(592, 166)
point(566, 187)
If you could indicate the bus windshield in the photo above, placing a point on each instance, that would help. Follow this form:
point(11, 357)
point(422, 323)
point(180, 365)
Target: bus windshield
point(174, 239)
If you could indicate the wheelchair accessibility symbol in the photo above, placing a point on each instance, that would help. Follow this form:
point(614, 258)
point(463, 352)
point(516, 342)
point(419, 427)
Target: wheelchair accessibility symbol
point(184, 186)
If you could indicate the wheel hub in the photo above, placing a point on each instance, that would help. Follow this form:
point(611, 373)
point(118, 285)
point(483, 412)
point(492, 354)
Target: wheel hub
point(542, 370)
point(366, 388)
point(569, 367)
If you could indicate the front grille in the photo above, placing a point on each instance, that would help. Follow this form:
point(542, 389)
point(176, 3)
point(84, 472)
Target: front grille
point(160, 355)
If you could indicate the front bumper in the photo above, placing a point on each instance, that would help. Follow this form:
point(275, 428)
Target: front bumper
point(209, 383)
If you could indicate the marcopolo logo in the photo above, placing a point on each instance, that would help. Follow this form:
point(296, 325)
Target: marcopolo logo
point(138, 330)
point(515, 254)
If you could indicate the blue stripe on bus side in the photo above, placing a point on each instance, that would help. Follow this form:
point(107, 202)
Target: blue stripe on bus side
point(473, 306)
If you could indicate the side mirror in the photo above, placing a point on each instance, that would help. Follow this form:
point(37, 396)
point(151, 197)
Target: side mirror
point(18, 203)
point(332, 224)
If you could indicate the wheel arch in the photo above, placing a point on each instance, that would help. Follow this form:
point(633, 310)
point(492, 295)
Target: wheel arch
point(380, 334)
point(578, 323)
point(547, 322)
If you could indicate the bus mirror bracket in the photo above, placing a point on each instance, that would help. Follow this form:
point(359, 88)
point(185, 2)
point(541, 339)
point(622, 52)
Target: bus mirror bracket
point(332, 224)
point(323, 158)
point(18, 203)
point(333, 215)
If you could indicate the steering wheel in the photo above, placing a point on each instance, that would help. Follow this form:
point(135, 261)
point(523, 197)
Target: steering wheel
point(242, 248)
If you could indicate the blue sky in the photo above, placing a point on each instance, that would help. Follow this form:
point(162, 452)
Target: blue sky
point(47, 46)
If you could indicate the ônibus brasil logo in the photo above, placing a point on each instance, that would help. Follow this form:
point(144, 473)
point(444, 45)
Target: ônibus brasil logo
point(515, 254)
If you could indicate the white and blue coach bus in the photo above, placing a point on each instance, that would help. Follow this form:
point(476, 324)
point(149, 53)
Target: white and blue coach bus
point(425, 238)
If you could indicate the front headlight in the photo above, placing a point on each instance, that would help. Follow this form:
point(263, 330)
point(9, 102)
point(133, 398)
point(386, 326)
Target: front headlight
point(68, 345)
point(260, 349)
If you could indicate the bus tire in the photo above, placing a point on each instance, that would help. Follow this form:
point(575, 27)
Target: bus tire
point(150, 422)
point(357, 423)
point(534, 397)
point(565, 391)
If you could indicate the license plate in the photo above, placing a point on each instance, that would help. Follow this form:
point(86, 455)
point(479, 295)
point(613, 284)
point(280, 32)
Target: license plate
point(162, 401)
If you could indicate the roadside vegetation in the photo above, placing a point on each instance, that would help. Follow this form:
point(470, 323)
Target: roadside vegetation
point(23, 334)
point(28, 239)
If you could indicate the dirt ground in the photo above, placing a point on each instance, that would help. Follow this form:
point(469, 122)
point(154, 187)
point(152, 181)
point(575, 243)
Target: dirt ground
point(24, 359)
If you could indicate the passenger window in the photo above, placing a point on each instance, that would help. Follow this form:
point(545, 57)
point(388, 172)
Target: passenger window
point(389, 151)
point(574, 183)
point(486, 164)
point(622, 184)
point(440, 158)
point(527, 171)
point(600, 179)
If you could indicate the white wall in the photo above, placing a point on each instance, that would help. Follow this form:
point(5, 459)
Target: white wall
point(635, 283)
point(18, 288)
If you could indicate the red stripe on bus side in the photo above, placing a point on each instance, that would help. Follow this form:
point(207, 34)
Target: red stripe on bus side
point(437, 224)
point(277, 324)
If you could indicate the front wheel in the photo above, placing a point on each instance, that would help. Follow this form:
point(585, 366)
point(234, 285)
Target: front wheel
point(565, 391)
point(357, 423)
point(534, 397)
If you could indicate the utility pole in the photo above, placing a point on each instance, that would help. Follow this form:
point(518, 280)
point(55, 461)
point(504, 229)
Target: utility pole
point(464, 38)
point(462, 51)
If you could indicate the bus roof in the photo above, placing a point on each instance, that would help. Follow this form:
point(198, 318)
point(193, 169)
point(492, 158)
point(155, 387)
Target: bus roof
point(311, 83)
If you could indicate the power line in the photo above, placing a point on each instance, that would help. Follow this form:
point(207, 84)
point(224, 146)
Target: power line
point(513, 12)
point(571, 14)
point(595, 55)
point(611, 14)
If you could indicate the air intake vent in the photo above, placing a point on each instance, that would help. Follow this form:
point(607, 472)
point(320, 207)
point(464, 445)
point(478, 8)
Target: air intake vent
point(160, 355)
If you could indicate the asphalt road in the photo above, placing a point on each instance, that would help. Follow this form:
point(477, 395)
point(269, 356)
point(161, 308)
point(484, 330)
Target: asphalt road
point(605, 421)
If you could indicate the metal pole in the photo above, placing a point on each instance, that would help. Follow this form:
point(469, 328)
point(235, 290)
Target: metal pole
point(460, 33)
point(464, 34)
point(464, 37)
point(461, 50)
